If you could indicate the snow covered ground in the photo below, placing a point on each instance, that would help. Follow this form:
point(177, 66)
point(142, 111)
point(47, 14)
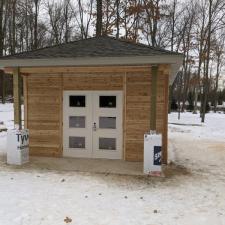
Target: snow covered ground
point(6, 116)
point(192, 193)
point(213, 128)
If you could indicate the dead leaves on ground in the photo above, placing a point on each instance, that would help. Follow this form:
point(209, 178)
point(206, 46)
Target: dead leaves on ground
point(67, 220)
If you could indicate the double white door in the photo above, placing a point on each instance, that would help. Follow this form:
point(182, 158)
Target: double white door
point(92, 124)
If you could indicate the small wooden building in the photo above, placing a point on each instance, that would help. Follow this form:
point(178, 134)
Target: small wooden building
point(93, 98)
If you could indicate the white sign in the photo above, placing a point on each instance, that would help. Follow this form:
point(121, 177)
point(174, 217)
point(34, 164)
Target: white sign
point(152, 154)
point(17, 147)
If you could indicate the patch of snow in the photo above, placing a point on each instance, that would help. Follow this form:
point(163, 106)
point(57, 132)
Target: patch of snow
point(6, 114)
point(213, 128)
point(6, 117)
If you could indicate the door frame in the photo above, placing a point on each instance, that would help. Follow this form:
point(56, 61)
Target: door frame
point(87, 92)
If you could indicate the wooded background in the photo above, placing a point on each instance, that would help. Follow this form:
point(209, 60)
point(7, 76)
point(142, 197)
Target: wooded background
point(195, 28)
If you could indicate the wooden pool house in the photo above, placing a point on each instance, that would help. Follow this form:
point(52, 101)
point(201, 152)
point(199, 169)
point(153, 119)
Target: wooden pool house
point(93, 98)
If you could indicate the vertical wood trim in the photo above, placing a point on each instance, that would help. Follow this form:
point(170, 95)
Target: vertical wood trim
point(165, 142)
point(61, 116)
point(124, 113)
point(25, 101)
point(153, 98)
point(17, 97)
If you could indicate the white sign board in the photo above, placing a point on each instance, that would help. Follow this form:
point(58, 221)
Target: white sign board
point(17, 146)
point(152, 154)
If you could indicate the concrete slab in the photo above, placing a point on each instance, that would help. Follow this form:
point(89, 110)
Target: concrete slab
point(106, 166)
point(88, 165)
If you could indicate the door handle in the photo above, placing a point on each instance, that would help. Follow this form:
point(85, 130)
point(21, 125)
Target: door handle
point(94, 127)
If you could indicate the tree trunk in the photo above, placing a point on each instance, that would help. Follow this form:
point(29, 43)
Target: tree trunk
point(179, 92)
point(99, 18)
point(215, 100)
point(13, 47)
point(173, 23)
point(26, 26)
point(36, 24)
point(195, 100)
point(1, 27)
point(1, 50)
point(66, 23)
point(117, 19)
point(206, 83)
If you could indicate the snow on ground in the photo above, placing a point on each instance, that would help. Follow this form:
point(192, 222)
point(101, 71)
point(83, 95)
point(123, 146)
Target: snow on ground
point(6, 116)
point(192, 193)
point(213, 128)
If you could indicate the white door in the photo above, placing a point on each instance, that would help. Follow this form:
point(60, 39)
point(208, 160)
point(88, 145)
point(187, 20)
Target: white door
point(107, 119)
point(77, 124)
point(92, 124)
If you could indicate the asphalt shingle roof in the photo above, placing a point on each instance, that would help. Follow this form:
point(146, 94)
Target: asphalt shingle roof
point(92, 47)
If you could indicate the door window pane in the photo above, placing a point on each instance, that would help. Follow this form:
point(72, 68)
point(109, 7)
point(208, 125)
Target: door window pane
point(77, 101)
point(107, 101)
point(76, 142)
point(107, 143)
point(107, 122)
point(77, 121)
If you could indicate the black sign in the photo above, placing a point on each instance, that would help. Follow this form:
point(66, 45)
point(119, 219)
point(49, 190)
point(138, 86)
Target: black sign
point(157, 155)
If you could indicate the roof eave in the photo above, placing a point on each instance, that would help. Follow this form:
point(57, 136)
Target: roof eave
point(174, 60)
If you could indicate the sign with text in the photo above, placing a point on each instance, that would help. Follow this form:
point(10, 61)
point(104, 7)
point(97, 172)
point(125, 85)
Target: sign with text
point(22, 140)
point(17, 146)
point(153, 154)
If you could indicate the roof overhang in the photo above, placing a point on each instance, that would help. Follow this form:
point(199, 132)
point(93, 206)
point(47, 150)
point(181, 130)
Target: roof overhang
point(174, 60)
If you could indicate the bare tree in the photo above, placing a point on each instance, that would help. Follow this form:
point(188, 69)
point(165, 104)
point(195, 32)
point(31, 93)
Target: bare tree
point(36, 5)
point(187, 47)
point(57, 22)
point(117, 18)
point(83, 14)
point(152, 10)
point(200, 35)
point(206, 77)
point(1, 50)
point(99, 18)
point(218, 52)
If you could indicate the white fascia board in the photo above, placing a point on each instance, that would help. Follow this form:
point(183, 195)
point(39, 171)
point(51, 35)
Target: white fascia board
point(90, 61)
point(174, 60)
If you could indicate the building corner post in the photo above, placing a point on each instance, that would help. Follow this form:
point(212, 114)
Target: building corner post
point(153, 97)
point(17, 98)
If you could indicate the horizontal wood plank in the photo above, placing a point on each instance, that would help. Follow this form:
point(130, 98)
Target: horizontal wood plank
point(97, 69)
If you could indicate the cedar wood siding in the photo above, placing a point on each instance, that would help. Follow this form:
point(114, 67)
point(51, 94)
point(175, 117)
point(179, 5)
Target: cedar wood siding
point(43, 91)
